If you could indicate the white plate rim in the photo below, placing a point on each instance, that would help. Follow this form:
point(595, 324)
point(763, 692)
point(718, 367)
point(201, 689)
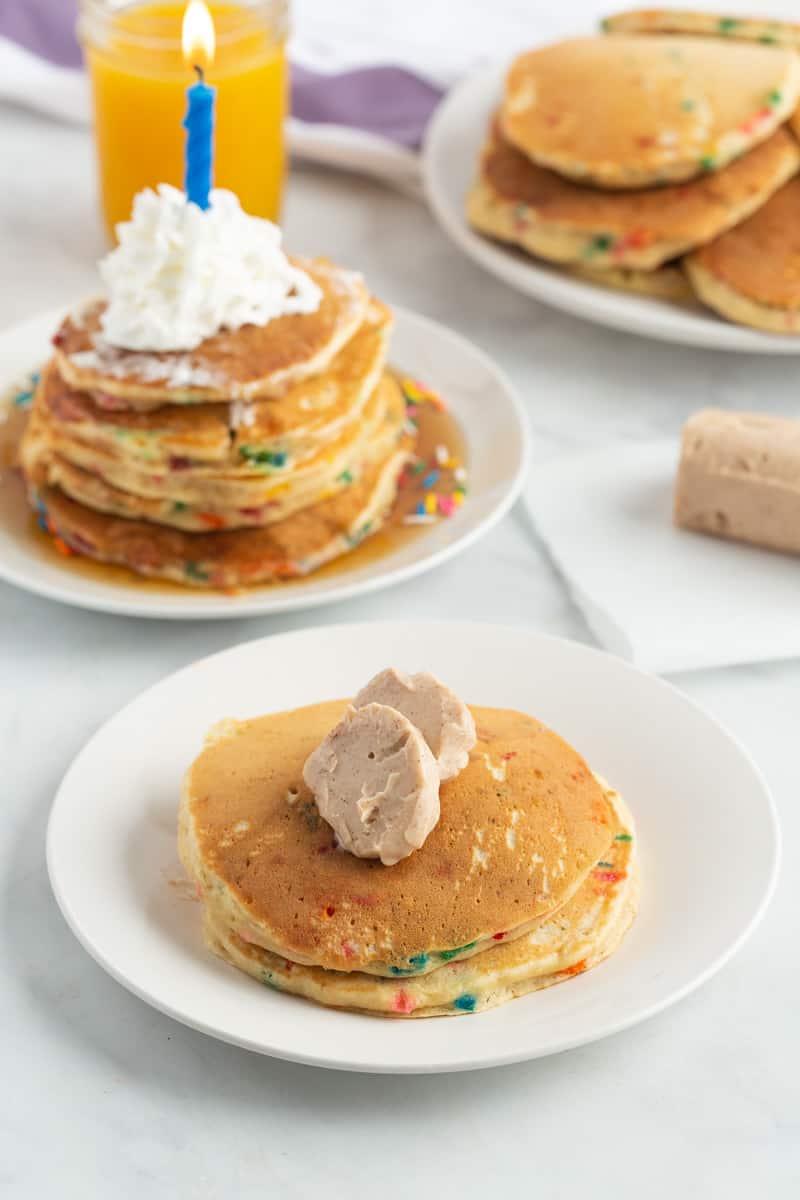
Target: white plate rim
point(460, 628)
point(263, 601)
point(627, 313)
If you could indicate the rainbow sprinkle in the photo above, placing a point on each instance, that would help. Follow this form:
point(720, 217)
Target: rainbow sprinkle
point(446, 955)
point(465, 1002)
point(609, 876)
point(192, 571)
point(600, 244)
point(403, 1003)
point(442, 496)
point(264, 458)
point(417, 393)
point(415, 964)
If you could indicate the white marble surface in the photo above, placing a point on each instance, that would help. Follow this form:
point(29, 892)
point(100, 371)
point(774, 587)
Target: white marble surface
point(103, 1097)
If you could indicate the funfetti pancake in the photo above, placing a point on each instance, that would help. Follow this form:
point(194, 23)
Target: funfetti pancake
point(283, 430)
point(229, 559)
point(200, 432)
point(697, 24)
point(585, 930)
point(665, 283)
point(247, 485)
point(636, 111)
point(751, 275)
point(520, 829)
point(90, 489)
point(531, 206)
point(244, 364)
point(48, 458)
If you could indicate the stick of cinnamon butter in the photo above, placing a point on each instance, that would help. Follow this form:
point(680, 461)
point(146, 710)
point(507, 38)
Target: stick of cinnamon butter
point(739, 477)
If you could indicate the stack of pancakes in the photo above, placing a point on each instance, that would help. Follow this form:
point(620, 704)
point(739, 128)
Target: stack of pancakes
point(657, 161)
point(528, 879)
point(259, 455)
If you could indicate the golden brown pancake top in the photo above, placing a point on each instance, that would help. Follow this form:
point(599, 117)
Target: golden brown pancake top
point(195, 421)
point(231, 359)
point(636, 108)
point(704, 24)
point(520, 827)
point(309, 405)
point(692, 210)
point(761, 257)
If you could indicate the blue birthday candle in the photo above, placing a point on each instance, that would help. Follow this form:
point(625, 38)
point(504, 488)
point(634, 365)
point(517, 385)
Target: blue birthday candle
point(199, 126)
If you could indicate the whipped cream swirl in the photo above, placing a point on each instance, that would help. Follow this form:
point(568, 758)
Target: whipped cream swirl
point(181, 274)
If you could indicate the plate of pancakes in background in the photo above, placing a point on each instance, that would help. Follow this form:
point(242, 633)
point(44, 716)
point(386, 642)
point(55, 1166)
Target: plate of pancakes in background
point(274, 467)
point(645, 178)
point(578, 879)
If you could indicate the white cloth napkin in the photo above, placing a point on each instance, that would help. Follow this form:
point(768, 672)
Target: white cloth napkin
point(32, 82)
point(662, 597)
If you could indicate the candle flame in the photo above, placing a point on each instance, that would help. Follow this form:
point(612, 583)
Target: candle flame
point(198, 34)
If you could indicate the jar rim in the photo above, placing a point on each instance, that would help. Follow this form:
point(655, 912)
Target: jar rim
point(96, 17)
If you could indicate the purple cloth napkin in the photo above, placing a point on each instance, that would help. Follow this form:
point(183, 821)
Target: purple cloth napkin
point(45, 27)
point(387, 101)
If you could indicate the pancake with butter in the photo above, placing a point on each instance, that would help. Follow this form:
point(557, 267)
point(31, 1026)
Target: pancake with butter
point(532, 207)
point(283, 431)
point(751, 275)
point(520, 829)
point(242, 364)
point(696, 24)
point(634, 111)
point(584, 931)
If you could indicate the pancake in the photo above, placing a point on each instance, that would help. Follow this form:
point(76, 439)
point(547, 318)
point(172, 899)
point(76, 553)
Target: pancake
point(665, 283)
point(638, 110)
point(587, 929)
point(518, 201)
point(521, 826)
point(751, 275)
point(660, 20)
point(206, 489)
point(235, 558)
point(91, 490)
point(286, 430)
point(83, 474)
point(241, 364)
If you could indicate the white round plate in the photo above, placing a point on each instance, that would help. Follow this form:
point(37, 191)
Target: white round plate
point(452, 146)
point(479, 397)
point(699, 802)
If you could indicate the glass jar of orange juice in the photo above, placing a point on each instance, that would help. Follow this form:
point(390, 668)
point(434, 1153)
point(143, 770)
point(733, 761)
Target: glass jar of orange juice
point(139, 80)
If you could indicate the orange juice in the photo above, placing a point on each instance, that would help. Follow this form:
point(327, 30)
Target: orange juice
point(139, 81)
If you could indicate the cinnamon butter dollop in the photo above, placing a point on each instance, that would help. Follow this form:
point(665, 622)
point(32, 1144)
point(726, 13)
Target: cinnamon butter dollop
point(376, 775)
